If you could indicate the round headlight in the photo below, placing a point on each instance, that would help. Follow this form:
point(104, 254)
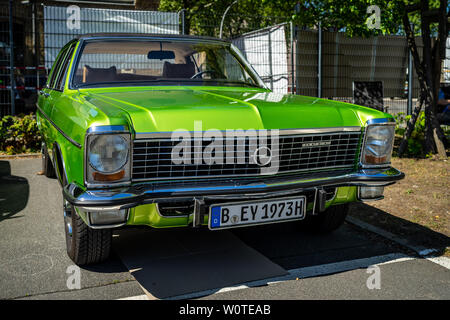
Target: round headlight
point(108, 153)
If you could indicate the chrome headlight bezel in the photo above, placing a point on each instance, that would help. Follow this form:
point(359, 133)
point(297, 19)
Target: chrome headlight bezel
point(368, 156)
point(122, 174)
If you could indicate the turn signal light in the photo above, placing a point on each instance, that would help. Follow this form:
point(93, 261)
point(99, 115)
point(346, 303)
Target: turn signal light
point(374, 160)
point(108, 177)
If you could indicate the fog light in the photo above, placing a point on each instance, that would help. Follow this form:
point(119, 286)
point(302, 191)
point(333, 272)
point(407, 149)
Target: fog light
point(108, 217)
point(370, 193)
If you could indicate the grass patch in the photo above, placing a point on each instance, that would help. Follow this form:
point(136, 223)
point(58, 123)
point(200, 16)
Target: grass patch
point(416, 207)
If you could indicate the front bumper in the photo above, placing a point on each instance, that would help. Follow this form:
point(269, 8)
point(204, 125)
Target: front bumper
point(220, 190)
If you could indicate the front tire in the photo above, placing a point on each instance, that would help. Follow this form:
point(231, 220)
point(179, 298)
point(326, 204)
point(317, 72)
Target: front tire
point(327, 221)
point(84, 244)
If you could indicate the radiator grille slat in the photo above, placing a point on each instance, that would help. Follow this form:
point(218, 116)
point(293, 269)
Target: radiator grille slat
point(152, 158)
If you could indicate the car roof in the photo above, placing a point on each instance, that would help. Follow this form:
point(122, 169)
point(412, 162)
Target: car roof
point(147, 36)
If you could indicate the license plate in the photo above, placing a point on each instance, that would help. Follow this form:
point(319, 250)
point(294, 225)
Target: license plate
point(238, 214)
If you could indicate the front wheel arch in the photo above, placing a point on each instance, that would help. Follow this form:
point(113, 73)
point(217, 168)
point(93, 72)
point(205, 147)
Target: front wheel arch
point(58, 164)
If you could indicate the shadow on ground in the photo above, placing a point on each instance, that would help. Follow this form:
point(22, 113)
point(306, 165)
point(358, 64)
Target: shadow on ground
point(415, 234)
point(14, 192)
point(174, 262)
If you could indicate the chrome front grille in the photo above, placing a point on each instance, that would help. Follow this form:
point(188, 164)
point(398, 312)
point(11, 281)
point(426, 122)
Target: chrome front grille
point(297, 153)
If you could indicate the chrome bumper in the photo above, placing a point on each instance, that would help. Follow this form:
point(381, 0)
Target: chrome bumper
point(229, 189)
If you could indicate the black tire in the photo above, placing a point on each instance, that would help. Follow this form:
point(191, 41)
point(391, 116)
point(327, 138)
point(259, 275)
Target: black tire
point(84, 244)
point(47, 166)
point(327, 221)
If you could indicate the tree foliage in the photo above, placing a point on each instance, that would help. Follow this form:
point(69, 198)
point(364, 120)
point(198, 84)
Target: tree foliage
point(349, 16)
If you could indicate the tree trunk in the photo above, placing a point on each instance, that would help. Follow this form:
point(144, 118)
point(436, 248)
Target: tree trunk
point(410, 127)
point(429, 83)
point(434, 136)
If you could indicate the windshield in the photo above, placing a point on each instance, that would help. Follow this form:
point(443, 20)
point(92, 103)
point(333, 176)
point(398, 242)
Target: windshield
point(154, 62)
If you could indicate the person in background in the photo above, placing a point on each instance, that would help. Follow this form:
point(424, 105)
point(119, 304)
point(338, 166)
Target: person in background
point(443, 105)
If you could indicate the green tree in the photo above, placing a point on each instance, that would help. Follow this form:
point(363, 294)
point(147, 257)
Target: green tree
point(203, 17)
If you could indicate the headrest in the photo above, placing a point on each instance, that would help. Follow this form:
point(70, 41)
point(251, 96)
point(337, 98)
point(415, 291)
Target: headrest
point(92, 75)
point(171, 70)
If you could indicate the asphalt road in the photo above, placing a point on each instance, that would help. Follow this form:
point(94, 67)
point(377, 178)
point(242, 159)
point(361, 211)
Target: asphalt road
point(267, 262)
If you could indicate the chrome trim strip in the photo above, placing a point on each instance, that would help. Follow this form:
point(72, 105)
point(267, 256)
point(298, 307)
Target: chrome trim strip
point(172, 37)
point(380, 121)
point(75, 58)
point(76, 144)
point(244, 175)
point(108, 129)
point(168, 134)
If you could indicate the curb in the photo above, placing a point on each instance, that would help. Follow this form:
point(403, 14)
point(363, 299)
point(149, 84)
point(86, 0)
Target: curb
point(420, 250)
point(21, 155)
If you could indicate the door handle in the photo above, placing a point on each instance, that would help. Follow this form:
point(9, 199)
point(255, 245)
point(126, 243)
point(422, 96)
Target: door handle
point(45, 94)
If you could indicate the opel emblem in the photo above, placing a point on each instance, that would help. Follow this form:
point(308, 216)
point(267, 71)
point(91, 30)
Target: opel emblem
point(262, 156)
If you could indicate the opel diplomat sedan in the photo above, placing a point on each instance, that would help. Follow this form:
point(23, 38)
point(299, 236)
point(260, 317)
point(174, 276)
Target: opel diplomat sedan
point(180, 131)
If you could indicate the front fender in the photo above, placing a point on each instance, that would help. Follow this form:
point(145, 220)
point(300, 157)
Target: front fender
point(68, 161)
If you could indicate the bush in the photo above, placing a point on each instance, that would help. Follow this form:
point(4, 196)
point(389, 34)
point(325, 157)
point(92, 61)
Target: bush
point(19, 134)
point(417, 139)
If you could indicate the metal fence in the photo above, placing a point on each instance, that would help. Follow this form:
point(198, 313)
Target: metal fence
point(288, 58)
point(267, 50)
point(265, 41)
point(62, 24)
point(329, 62)
point(20, 71)
point(39, 32)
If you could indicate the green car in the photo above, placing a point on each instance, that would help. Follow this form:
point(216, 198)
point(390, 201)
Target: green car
point(180, 131)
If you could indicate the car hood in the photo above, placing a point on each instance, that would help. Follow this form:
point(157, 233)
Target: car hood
point(169, 109)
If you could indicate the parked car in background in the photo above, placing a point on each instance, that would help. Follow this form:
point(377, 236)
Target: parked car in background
point(180, 131)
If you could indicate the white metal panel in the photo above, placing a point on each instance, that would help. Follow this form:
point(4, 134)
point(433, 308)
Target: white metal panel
point(446, 68)
point(266, 50)
point(58, 31)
